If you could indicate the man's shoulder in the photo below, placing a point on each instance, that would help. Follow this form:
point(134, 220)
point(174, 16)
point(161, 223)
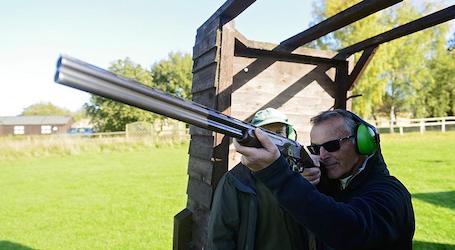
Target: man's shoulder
point(240, 177)
point(388, 187)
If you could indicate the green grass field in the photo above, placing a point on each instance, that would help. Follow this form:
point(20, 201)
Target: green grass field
point(110, 199)
point(425, 163)
point(99, 196)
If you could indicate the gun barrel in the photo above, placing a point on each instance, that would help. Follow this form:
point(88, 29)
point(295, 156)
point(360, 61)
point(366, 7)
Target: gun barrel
point(86, 77)
point(80, 75)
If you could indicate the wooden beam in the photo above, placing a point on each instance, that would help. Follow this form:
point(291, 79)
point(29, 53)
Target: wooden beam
point(360, 66)
point(403, 30)
point(346, 17)
point(341, 81)
point(228, 11)
point(244, 51)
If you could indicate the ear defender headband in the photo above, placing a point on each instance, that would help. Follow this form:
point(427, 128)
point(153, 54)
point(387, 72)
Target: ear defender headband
point(367, 136)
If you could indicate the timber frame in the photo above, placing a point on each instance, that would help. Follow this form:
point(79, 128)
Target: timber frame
point(221, 58)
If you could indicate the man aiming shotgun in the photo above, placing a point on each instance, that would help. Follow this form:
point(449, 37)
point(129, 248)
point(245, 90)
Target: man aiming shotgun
point(360, 206)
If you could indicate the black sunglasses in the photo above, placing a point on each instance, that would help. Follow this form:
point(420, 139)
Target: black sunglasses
point(330, 146)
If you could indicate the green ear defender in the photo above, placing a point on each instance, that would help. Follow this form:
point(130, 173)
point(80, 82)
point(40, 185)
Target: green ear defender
point(290, 132)
point(367, 139)
point(366, 135)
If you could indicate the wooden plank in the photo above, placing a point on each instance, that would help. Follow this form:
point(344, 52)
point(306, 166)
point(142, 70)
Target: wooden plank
point(360, 66)
point(205, 78)
point(206, 42)
point(182, 230)
point(277, 55)
point(403, 30)
point(228, 11)
point(200, 131)
point(201, 146)
point(345, 17)
point(263, 65)
point(226, 68)
point(341, 81)
point(200, 192)
point(200, 169)
point(206, 97)
point(241, 40)
point(206, 59)
point(200, 221)
point(202, 32)
point(221, 159)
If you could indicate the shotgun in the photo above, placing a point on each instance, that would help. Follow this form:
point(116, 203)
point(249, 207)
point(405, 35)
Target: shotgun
point(86, 77)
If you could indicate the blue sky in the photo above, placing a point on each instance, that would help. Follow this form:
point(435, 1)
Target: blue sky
point(34, 33)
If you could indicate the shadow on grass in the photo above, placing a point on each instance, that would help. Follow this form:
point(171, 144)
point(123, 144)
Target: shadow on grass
point(443, 199)
point(8, 245)
point(416, 245)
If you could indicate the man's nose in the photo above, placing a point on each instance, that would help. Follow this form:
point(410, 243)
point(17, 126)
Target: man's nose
point(323, 153)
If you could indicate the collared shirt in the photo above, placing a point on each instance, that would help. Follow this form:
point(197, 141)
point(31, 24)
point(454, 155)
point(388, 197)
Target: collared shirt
point(345, 181)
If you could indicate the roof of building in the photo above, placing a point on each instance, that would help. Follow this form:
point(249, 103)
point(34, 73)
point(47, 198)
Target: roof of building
point(35, 120)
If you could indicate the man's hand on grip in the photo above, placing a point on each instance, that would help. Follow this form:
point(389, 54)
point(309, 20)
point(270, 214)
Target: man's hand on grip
point(258, 158)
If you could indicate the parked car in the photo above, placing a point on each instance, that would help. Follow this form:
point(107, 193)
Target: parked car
point(81, 131)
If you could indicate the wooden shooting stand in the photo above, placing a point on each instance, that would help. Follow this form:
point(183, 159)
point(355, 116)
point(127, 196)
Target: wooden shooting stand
point(239, 77)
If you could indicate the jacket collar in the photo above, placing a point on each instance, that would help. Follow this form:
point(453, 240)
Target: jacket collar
point(243, 179)
point(375, 166)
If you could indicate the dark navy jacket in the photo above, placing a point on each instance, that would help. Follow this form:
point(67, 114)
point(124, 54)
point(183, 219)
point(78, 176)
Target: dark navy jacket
point(373, 212)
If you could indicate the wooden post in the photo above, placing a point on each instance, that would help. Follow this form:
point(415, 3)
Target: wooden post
point(443, 125)
point(182, 230)
point(392, 129)
point(422, 126)
point(208, 161)
point(342, 83)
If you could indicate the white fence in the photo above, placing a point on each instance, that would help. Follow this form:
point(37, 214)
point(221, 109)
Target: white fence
point(412, 125)
point(162, 130)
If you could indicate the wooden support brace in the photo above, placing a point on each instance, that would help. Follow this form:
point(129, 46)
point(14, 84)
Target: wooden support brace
point(346, 17)
point(244, 51)
point(360, 66)
point(403, 30)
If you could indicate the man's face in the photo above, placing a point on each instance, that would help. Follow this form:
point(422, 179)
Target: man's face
point(340, 163)
point(278, 128)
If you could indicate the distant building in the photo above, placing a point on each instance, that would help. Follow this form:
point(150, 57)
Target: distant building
point(35, 125)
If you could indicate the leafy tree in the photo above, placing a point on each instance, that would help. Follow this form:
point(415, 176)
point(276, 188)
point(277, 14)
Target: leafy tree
point(107, 115)
point(398, 78)
point(441, 97)
point(45, 108)
point(407, 74)
point(451, 43)
point(173, 75)
point(80, 114)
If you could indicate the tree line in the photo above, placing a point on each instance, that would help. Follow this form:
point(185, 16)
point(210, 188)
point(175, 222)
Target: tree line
point(411, 76)
point(172, 75)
